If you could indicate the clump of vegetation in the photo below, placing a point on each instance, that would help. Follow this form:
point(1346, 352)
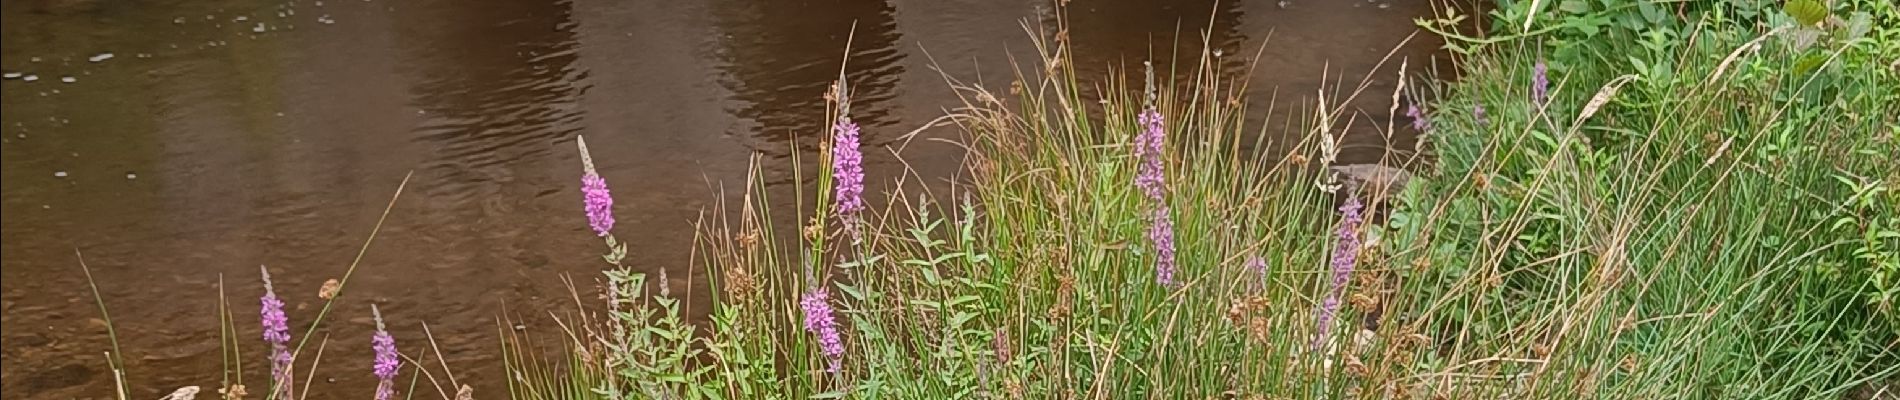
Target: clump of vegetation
point(1618, 202)
point(1614, 201)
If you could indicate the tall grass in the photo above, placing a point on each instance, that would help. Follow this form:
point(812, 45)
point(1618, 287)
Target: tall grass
point(1718, 229)
point(1717, 217)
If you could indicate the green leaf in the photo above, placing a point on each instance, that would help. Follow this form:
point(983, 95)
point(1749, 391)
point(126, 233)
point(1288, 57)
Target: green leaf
point(1574, 6)
point(931, 277)
point(927, 304)
point(1807, 12)
point(953, 302)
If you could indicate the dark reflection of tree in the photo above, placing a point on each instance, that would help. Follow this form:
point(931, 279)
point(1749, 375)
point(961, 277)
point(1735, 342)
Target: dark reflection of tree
point(778, 58)
point(1120, 35)
point(497, 83)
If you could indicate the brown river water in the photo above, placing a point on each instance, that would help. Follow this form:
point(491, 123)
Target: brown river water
point(179, 142)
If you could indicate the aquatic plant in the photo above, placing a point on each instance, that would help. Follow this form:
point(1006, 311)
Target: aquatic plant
point(386, 358)
point(277, 334)
point(1345, 257)
point(598, 202)
point(1540, 84)
point(1420, 121)
point(1161, 234)
point(847, 169)
point(1150, 148)
point(820, 323)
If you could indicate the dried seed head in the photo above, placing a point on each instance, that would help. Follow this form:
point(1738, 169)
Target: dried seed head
point(329, 290)
point(233, 392)
point(1000, 344)
point(1364, 303)
point(814, 229)
point(1355, 367)
point(739, 285)
point(465, 393)
point(748, 240)
point(1065, 291)
point(1237, 312)
point(1258, 327)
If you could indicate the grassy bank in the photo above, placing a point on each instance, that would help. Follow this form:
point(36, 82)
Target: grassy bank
point(1616, 202)
point(1622, 201)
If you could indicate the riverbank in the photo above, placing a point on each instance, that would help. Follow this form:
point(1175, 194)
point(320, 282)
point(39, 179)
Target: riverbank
point(1615, 203)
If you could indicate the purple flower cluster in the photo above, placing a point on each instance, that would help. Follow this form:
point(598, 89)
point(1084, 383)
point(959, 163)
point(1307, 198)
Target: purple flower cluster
point(819, 321)
point(386, 360)
point(1162, 234)
point(599, 202)
point(1420, 121)
point(1540, 84)
point(1477, 113)
point(277, 333)
point(847, 168)
point(1149, 148)
point(1345, 256)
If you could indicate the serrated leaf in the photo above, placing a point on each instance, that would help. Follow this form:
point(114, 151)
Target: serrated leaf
point(1807, 12)
point(1802, 38)
point(1859, 24)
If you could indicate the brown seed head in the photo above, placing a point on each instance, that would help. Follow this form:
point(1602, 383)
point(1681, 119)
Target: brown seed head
point(329, 289)
point(739, 285)
point(1355, 367)
point(1065, 290)
point(814, 229)
point(233, 392)
point(748, 239)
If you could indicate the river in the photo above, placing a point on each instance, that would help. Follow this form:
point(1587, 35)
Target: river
point(178, 143)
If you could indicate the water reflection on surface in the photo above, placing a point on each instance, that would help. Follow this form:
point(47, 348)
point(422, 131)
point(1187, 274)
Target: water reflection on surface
point(225, 134)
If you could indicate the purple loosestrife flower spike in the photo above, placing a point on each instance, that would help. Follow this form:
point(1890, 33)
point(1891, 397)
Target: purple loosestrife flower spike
point(1540, 84)
point(847, 169)
point(1149, 148)
point(1162, 234)
point(277, 333)
point(386, 360)
point(1345, 255)
point(819, 321)
point(599, 202)
point(1420, 121)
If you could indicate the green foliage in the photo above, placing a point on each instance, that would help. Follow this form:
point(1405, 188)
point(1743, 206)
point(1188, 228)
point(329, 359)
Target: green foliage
point(1704, 208)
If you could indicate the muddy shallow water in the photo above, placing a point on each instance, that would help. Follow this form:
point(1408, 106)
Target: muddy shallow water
point(178, 143)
